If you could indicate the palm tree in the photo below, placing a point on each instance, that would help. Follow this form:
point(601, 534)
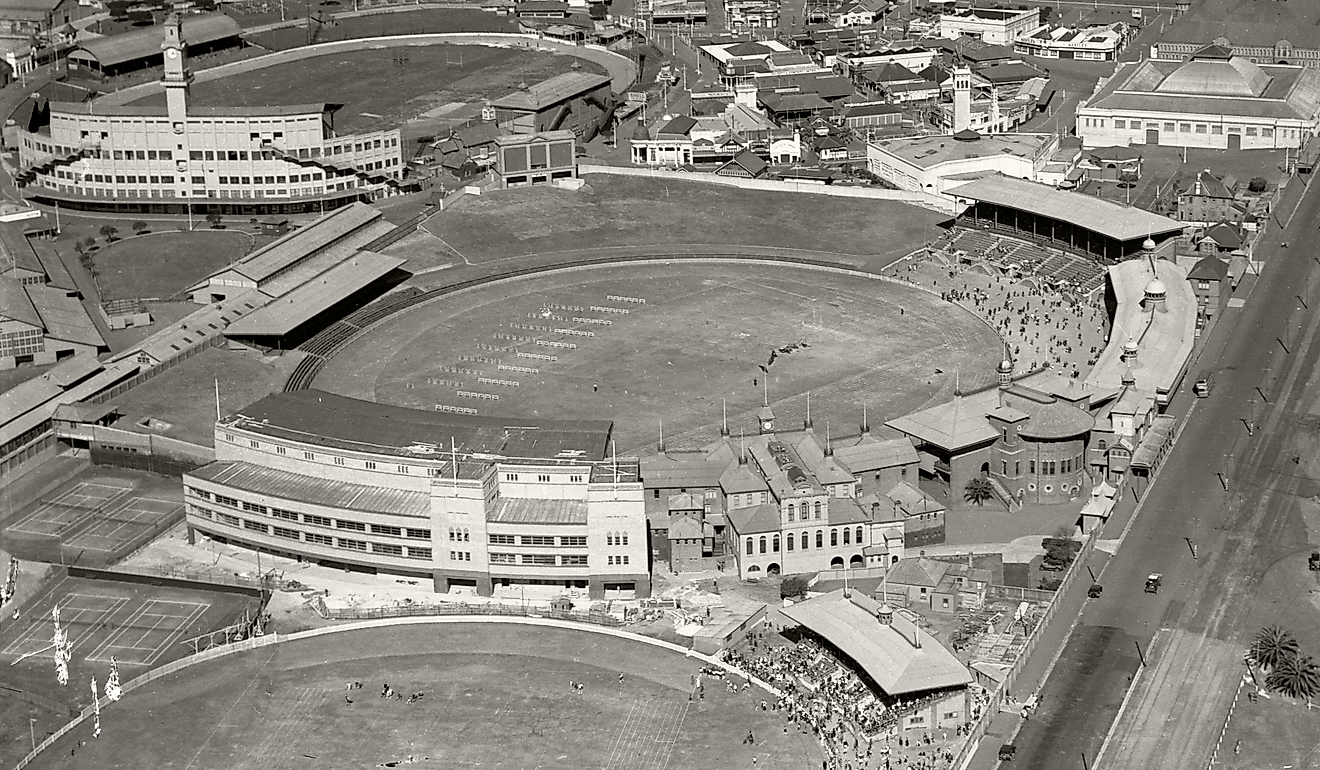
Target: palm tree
point(1272, 645)
point(978, 491)
point(1296, 676)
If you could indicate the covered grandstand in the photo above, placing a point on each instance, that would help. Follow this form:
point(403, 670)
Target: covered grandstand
point(327, 268)
point(1108, 231)
point(919, 680)
point(112, 55)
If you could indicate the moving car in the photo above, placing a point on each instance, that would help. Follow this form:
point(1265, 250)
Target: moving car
point(1153, 582)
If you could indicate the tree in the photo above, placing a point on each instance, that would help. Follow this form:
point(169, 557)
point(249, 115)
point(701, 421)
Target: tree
point(214, 219)
point(80, 248)
point(109, 231)
point(1271, 646)
point(793, 586)
point(1257, 184)
point(139, 227)
point(978, 491)
point(1296, 676)
point(89, 243)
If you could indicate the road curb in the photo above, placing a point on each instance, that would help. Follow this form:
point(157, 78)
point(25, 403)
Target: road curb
point(1122, 708)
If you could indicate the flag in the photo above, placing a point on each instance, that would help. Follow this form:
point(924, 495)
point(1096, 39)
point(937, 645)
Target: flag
point(96, 710)
point(112, 688)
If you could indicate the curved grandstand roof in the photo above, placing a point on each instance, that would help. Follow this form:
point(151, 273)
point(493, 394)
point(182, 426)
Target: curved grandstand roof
point(144, 43)
point(900, 657)
point(350, 424)
point(1113, 220)
point(1216, 77)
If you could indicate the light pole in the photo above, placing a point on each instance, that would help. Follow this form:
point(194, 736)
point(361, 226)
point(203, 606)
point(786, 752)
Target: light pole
point(32, 731)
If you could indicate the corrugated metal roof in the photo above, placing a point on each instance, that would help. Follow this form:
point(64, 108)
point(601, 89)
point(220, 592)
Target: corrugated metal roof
point(318, 417)
point(99, 107)
point(299, 244)
point(142, 43)
point(874, 455)
point(286, 313)
point(16, 305)
point(953, 425)
point(1122, 223)
point(64, 317)
point(667, 473)
point(316, 490)
point(887, 653)
point(189, 331)
point(550, 92)
point(519, 510)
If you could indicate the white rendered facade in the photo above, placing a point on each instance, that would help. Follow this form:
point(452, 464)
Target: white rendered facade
point(230, 160)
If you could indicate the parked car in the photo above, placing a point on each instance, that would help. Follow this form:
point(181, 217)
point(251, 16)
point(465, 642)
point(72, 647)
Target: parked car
point(1153, 582)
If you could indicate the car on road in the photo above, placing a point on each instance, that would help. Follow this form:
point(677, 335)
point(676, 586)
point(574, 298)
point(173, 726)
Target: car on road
point(1095, 590)
point(1205, 383)
point(1153, 582)
point(1006, 752)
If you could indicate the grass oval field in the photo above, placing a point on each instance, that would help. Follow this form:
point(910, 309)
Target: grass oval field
point(496, 696)
point(700, 340)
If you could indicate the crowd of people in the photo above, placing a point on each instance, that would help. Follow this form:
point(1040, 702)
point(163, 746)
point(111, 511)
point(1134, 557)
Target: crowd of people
point(823, 698)
point(1040, 327)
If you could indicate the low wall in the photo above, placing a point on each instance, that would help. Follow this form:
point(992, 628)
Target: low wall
point(622, 70)
point(162, 580)
point(933, 202)
point(270, 639)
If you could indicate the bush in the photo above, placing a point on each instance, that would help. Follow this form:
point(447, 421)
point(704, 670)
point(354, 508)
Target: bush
point(1257, 184)
point(794, 586)
point(1050, 584)
point(1059, 552)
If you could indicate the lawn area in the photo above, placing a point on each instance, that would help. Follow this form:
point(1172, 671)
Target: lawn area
point(696, 347)
point(380, 95)
point(412, 22)
point(159, 265)
point(495, 696)
point(184, 396)
point(635, 211)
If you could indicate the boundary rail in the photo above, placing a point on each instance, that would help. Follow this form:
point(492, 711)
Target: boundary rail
point(272, 639)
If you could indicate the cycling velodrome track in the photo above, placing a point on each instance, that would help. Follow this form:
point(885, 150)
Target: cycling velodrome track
point(663, 664)
point(622, 70)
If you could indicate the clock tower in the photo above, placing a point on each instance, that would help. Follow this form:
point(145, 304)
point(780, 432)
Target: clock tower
point(178, 78)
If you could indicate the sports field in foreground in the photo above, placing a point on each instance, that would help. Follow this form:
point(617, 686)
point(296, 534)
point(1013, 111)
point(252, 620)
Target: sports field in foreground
point(495, 696)
point(643, 343)
point(637, 211)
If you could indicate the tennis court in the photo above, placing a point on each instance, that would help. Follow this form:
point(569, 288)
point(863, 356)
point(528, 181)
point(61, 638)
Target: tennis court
point(138, 625)
point(100, 515)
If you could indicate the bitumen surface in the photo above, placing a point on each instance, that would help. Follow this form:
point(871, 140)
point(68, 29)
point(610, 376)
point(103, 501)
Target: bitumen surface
point(1239, 523)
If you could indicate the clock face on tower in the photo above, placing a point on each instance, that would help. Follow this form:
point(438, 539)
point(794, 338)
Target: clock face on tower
point(767, 425)
point(172, 53)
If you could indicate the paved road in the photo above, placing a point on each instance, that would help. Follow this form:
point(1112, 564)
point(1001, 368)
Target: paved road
point(1238, 534)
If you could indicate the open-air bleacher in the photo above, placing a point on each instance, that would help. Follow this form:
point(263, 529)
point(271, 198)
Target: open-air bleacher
point(1058, 269)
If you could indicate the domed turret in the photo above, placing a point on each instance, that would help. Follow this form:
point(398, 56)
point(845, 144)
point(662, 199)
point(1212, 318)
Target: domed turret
point(1005, 371)
point(1155, 294)
point(1129, 379)
point(1148, 244)
point(1129, 351)
point(885, 614)
point(640, 133)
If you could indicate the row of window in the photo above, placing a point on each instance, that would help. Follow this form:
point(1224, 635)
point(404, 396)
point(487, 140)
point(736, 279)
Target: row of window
point(546, 478)
point(542, 559)
point(848, 536)
point(564, 541)
point(311, 518)
point(792, 510)
point(616, 538)
point(315, 538)
point(1170, 127)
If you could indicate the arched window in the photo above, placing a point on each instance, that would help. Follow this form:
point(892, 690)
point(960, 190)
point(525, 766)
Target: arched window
point(467, 537)
point(820, 538)
point(791, 510)
point(847, 536)
point(859, 535)
point(749, 546)
point(805, 543)
point(818, 509)
point(451, 533)
point(774, 546)
point(609, 539)
point(762, 543)
point(834, 538)
point(1101, 445)
point(788, 541)
point(623, 535)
